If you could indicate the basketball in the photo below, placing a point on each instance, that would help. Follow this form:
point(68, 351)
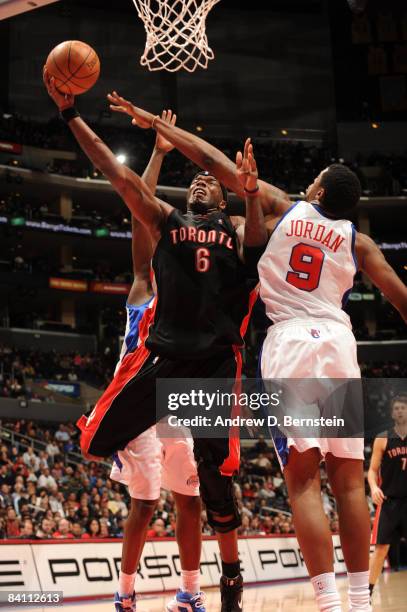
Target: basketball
point(74, 65)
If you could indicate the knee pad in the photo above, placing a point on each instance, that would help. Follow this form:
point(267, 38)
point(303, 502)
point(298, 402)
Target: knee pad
point(218, 497)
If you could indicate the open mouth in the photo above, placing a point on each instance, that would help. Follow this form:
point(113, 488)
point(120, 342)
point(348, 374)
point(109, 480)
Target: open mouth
point(199, 191)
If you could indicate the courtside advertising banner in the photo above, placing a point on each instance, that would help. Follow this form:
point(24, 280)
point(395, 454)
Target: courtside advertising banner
point(83, 569)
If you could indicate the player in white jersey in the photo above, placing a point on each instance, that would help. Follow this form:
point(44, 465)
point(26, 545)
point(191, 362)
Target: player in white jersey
point(306, 274)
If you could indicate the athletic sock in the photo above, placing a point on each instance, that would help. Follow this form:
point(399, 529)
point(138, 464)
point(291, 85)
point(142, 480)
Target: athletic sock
point(359, 592)
point(326, 593)
point(126, 584)
point(190, 581)
point(231, 570)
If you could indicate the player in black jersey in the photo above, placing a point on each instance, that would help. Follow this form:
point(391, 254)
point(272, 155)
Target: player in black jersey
point(205, 264)
point(388, 485)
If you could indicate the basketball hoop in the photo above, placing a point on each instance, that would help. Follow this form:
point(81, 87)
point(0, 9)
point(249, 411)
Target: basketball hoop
point(176, 34)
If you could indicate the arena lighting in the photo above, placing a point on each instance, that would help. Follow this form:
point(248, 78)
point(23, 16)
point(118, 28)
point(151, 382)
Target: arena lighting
point(121, 158)
point(199, 128)
point(375, 125)
point(284, 132)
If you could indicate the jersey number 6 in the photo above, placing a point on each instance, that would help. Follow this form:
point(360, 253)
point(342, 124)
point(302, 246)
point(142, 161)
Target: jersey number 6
point(306, 261)
point(202, 260)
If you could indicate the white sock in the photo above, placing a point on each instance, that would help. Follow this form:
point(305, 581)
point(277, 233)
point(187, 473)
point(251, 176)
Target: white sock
point(190, 581)
point(359, 596)
point(126, 583)
point(326, 593)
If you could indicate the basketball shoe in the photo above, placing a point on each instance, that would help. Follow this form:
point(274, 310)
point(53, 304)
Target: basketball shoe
point(231, 590)
point(125, 604)
point(186, 602)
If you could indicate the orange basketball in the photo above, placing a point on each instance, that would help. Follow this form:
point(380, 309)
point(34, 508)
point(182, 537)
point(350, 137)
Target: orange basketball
point(74, 65)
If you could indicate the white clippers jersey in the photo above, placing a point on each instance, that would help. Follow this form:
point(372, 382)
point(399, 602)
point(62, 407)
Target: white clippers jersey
point(307, 269)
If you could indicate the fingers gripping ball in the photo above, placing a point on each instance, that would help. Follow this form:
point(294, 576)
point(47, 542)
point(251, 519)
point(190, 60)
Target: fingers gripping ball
point(75, 67)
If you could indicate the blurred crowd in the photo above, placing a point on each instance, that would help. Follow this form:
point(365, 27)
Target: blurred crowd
point(288, 164)
point(47, 491)
point(19, 367)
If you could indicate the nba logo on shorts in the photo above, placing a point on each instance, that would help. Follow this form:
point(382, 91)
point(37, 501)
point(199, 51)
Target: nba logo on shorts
point(193, 481)
point(315, 333)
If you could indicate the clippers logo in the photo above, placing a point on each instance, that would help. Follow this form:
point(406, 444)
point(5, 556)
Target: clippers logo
point(193, 481)
point(315, 333)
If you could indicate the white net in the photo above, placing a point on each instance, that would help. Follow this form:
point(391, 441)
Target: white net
point(176, 34)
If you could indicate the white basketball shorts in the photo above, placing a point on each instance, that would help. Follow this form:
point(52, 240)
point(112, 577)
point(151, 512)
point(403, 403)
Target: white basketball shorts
point(316, 349)
point(149, 463)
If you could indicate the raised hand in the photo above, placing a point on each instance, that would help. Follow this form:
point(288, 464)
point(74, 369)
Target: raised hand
point(63, 101)
point(139, 116)
point(246, 168)
point(161, 143)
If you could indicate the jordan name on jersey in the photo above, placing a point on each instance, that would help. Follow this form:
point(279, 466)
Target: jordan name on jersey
point(316, 232)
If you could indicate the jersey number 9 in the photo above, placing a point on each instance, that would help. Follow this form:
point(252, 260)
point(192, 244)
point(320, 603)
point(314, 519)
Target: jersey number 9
point(306, 261)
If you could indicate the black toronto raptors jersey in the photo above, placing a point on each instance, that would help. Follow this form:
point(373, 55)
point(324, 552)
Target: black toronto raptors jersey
point(393, 469)
point(203, 293)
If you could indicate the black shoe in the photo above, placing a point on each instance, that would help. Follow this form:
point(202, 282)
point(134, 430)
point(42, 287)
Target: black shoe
point(231, 591)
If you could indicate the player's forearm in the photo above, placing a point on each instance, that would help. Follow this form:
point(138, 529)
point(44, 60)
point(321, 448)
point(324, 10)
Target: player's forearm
point(400, 303)
point(153, 169)
point(202, 153)
point(129, 185)
point(255, 231)
point(97, 151)
point(373, 478)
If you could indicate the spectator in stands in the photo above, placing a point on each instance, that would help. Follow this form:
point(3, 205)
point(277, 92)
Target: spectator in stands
point(6, 476)
point(6, 498)
point(157, 530)
point(64, 530)
point(45, 531)
point(27, 530)
point(12, 523)
point(45, 480)
point(76, 529)
point(93, 529)
point(52, 450)
point(62, 434)
point(262, 465)
point(261, 446)
point(104, 529)
point(43, 457)
point(31, 460)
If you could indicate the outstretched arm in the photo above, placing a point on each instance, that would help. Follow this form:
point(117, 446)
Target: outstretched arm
point(373, 263)
point(255, 232)
point(143, 205)
point(253, 235)
point(142, 244)
point(274, 201)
